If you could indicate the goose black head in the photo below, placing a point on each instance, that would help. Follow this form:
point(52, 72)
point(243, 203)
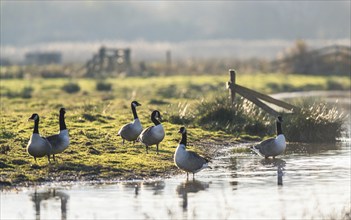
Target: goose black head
point(135, 103)
point(280, 119)
point(62, 110)
point(182, 130)
point(156, 114)
point(34, 117)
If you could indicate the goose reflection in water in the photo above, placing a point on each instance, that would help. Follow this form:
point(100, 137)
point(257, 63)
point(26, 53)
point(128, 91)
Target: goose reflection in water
point(192, 186)
point(156, 186)
point(38, 197)
point(280, 164)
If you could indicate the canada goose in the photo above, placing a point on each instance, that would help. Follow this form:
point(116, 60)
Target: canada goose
point(60, 141)
point(188, 161)
point(38, 146)
point(131, 131)
point(153, 134)
point(272, 146)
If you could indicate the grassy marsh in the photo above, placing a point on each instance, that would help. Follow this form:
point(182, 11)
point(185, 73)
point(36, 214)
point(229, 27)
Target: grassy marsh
point(94, 117)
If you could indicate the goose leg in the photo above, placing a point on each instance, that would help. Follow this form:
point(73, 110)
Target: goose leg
point(193, 176)
point(53, 157)
point(35, 159)
point(123, 142)
point(187, 175)
point(147, 149)
point(49, 158)
point(156, 148)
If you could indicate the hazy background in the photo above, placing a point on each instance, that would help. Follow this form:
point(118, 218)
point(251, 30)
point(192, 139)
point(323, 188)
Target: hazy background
point(189, 29)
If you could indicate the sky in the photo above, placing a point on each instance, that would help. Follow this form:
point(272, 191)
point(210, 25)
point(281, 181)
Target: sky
point(27, 23)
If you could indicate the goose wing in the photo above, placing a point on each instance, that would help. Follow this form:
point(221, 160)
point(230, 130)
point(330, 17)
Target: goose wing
point(265, 147)
point(54, 140)
point(195, 161)
point(125, 129)
point(146, 135)
point(122, 129)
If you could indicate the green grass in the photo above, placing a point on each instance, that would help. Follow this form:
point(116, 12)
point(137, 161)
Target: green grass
point(94, 117)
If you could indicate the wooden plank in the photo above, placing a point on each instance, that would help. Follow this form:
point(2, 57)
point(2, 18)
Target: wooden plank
point(259, 103)
point(248, 92)
point(231, 84)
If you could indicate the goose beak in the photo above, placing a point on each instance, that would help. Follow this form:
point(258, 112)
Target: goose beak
point(31, 119)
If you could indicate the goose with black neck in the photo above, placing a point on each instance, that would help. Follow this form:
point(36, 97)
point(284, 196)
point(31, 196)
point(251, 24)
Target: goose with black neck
point(38, 146)
point(272, 147)
point(153, 135)
point(188, 161)
point(60, 141)
point(132, 130)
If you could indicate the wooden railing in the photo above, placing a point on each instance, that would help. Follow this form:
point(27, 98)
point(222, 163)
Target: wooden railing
point(256, 97)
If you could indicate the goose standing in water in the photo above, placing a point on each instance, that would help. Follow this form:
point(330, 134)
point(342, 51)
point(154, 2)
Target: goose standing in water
point(188, 161)
point(38, 146)
point(272, 147)
point(153, 134)
point(60, 141)
point(131, 131)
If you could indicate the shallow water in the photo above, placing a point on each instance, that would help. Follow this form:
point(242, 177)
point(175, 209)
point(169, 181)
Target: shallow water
point(303, 183)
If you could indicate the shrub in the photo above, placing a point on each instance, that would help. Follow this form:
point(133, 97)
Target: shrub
point(103, 86)
point(26, 92)
point(170, 91)
point(158, 102)
point(242, 117)
point(220, 114)
point(183, 115)
point(334, 85)
point(71, 87)
point(314, 123)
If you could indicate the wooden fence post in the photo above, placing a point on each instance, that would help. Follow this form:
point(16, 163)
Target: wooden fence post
point(231, 85)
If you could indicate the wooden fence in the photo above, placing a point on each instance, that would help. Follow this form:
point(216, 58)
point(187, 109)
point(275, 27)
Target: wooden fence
point(109, 60)
point(256, 97)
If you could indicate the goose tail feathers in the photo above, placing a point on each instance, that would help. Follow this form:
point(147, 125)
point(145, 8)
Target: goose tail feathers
point(206, 166)
point(256, 150)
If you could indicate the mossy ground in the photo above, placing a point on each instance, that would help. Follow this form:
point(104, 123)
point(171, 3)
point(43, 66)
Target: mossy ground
point(94, 117)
